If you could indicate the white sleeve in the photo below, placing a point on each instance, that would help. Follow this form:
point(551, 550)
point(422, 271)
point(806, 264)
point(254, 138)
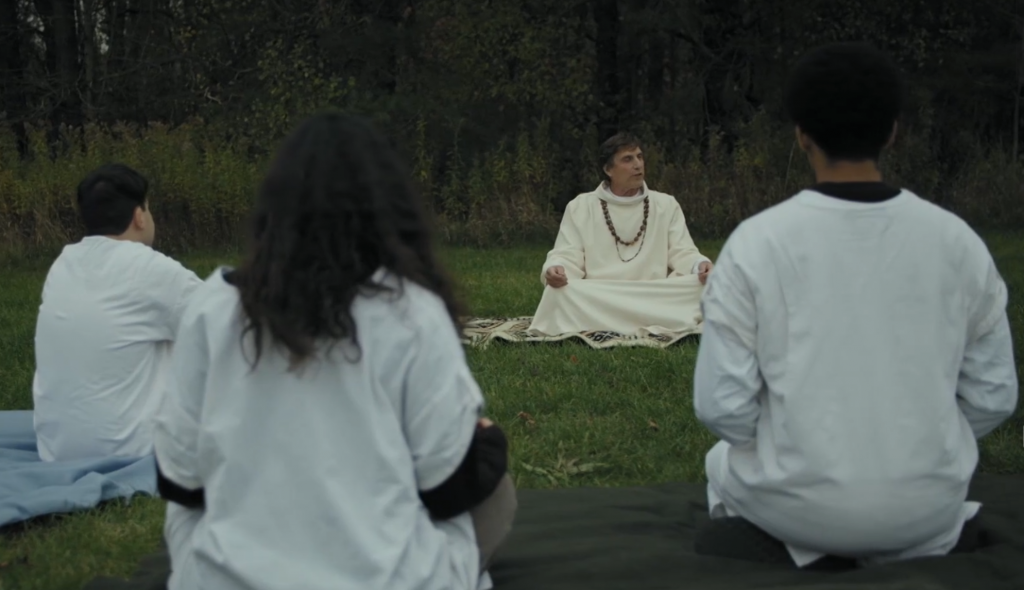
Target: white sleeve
point(987, 386)
point(176, 425)
point(568, 250)
point(442, 402)
point(683, 255)
point(727, 379)
point(172, 284)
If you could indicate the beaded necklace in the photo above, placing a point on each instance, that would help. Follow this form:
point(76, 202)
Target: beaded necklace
point(640, 235)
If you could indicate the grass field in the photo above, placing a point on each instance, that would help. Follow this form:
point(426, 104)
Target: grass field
point(575, 416)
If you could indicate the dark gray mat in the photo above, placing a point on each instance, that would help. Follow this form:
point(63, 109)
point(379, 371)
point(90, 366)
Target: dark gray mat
point(642, 539)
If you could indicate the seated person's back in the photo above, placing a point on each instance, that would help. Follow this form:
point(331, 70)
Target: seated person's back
point(110, 308)
point(856, 344)
point(324, 426)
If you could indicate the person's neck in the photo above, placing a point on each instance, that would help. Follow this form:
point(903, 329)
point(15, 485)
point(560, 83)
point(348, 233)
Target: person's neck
point(127, 237)
point(836, 172)
point(623, 192)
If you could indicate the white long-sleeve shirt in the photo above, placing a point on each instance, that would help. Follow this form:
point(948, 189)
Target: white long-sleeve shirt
point(107, 322)
point(852, 353)
point(311, 478)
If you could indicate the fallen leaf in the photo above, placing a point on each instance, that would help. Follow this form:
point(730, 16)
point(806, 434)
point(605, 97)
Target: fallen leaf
point(652, 424)
point(541, 472)
point(574, 360)
point(525, 417)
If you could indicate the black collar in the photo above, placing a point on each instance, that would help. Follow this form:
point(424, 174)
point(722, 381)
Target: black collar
point(228, 274)
point(862, 192)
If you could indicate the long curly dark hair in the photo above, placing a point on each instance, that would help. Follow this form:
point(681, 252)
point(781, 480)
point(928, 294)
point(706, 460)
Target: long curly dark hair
point(337, 205)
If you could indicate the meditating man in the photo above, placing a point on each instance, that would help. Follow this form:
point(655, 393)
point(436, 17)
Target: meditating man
point(110, 309)
point(855, 345)
point(623, 260)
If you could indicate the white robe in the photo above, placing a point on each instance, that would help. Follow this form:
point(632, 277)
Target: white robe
point(851, 355)
point(657, 292)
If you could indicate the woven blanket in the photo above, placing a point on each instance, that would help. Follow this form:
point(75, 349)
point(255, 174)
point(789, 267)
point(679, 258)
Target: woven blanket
point(480, 332)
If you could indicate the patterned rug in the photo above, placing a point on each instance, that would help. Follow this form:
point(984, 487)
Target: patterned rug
point(480, 332)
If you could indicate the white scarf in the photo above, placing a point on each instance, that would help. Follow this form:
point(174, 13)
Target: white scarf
point(605, 194)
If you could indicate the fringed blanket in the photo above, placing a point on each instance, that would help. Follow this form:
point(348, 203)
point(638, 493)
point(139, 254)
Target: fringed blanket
point(480, 332)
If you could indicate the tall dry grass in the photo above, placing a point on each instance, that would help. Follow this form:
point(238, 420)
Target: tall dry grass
point(510, 194)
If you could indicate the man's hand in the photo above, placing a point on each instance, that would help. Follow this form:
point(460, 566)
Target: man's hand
point(702, 271)
point(555, 277)
point(484, 423)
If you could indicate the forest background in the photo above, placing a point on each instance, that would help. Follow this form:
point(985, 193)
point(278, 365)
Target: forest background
point(499, 105)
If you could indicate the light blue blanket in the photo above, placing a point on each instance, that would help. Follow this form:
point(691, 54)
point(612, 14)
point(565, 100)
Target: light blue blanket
point(30, 487)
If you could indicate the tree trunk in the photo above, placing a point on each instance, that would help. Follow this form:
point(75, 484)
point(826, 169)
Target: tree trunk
point(1017, 99)
point(61, 39)
point(90, 53)
point(609, 86)
point(656, 65)
point(12, 84)
point(114, 63)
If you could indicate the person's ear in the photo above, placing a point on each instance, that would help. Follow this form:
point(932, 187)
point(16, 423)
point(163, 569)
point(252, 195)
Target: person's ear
point(892, 136)
point(804, 140)
point(139, 218)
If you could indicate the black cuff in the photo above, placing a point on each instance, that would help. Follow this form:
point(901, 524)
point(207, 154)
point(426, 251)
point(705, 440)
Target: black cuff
point(485, 464)
point(173, 492)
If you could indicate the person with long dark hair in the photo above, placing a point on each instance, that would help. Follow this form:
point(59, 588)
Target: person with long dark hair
point(324, 430)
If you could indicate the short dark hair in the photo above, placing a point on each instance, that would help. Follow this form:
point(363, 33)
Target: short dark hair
point(623, 140)
point(846, 97)
point(108, 198)
point(338, 203)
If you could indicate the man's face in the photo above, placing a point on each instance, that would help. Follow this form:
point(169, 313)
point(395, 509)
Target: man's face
point(627, 169)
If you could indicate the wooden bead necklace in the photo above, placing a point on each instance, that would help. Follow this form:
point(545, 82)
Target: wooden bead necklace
point(641, 235)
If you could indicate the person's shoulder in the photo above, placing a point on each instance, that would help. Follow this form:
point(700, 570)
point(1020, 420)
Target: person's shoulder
point(933, 213)
point(751, 235)
point(214, 297)
point(427, 309)
point(157, 261)
point(661, 196)
point(403, 305)
point(664, 203)
point(956, 234)
point(662, 199)
point(582, 200)
point(140, 261)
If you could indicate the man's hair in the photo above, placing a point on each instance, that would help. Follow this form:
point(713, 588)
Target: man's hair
point(108, 198)
point(846, 97)
point(613, 145)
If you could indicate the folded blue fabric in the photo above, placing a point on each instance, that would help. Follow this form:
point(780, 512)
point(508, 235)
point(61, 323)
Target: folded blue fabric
point(30, 487)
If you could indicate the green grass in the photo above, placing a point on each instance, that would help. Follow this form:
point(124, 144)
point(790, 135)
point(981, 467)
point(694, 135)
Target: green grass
point(575, 416)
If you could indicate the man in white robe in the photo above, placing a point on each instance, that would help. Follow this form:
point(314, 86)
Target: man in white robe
point(623, 260)
point(855, 347)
